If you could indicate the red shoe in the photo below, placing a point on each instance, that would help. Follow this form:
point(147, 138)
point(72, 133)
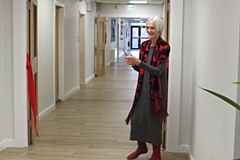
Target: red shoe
point(142, 148)
point(156, 153)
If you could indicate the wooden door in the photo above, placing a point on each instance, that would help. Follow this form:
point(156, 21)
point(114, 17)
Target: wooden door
point(100, 49)
point(32, 47)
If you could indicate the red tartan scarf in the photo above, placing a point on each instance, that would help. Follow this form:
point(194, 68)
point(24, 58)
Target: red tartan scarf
point(161, 52)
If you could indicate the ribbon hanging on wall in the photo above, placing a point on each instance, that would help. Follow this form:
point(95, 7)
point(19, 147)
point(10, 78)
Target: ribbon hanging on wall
point(32, 92)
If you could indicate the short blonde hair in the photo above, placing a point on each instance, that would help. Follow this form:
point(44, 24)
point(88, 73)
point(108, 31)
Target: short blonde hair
point(159, 23)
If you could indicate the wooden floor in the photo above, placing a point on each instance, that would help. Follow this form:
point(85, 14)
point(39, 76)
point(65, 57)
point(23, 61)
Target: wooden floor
point(89, 125)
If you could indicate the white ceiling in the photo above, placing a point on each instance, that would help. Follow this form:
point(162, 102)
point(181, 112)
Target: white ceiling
point(127, 1)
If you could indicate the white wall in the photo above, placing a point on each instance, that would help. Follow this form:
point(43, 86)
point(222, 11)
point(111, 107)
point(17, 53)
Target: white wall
point(237, 133)
point(6, 72)
point(46, 52)
point(213, 49)
point(13, 74)
point(8, 57)
point(89, 45)
point(187, 76)
point(210, 59)
point(71, 50)
point(143, 11)
point(19, 75)
point(175, 79)
point(2, 74)
point(237, 124)
point(205, 54)
point(71, 64)
point(46, 88)
point(73, 9)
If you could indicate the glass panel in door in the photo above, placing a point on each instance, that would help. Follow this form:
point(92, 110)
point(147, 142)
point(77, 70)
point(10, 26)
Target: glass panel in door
point(138, 36)
point(101, 33)
point(135, 37)
point(101, 56)
point(143, 35)
point(135, 43)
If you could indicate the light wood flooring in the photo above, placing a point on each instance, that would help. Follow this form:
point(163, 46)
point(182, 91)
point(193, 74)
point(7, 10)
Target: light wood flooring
point(89, 125)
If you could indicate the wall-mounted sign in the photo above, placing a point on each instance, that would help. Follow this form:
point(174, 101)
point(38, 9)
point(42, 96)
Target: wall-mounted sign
point(130, 6)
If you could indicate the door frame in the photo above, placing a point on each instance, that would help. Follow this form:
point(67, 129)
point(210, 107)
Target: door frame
point(60, 49)
point(118, 20)
point(32, 50)
point(166, 37)
point(82, 51)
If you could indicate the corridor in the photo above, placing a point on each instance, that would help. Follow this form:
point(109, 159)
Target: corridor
point(89, 125)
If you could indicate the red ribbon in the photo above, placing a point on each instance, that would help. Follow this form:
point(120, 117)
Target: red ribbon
point(31, 92)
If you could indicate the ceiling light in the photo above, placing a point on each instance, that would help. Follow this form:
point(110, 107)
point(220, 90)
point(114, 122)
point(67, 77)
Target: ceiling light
point(137, 1)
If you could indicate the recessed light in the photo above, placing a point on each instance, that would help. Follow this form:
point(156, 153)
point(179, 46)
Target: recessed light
point(137, 1)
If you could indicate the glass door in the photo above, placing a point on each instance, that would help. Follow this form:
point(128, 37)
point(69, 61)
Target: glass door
point(138, 35)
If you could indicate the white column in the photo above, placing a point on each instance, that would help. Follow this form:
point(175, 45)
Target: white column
point(19, 72)
point(1, 77)
point(175, 73)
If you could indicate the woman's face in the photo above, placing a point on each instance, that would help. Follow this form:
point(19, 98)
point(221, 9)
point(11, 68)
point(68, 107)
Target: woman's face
point(151, 30)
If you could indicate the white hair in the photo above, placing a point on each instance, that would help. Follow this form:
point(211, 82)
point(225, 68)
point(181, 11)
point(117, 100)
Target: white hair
point(159, 23)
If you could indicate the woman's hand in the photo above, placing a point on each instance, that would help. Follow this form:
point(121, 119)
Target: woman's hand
point(132, 60)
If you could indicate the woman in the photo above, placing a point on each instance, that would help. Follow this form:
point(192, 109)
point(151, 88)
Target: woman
point(151, 64)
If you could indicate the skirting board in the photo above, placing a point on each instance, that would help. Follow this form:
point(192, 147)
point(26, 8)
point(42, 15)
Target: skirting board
point(53, 106)
point(90, 78)
point(190, 157)
point(46, 111)
point(184, 149)
point(71, 92)
point(6, 143)
point(3, 145)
